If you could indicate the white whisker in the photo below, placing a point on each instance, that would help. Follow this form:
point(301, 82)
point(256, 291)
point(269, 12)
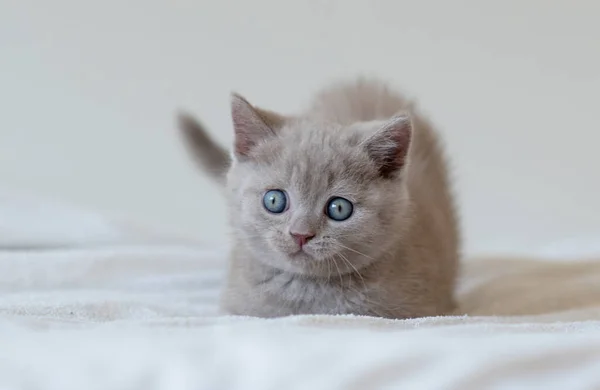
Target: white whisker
point(338, 271)
point(355, 270)
point(355, 251)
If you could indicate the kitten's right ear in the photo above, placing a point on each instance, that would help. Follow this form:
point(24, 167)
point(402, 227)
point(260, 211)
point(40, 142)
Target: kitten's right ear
point(251, 125)
point(389, 146)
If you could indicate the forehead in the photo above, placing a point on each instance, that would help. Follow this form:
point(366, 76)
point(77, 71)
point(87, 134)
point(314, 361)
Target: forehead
point(314, 159)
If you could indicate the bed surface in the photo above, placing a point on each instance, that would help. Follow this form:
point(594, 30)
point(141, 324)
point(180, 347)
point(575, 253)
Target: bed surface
point(93, 303)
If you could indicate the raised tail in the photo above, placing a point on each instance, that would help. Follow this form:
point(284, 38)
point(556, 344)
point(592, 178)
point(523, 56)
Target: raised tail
point(210, 156)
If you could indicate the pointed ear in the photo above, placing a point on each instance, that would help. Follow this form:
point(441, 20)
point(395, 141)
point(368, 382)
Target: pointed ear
point(251, 125)
point(388, 147)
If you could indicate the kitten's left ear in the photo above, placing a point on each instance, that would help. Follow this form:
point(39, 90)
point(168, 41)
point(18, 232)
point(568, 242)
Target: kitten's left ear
point(388, 147)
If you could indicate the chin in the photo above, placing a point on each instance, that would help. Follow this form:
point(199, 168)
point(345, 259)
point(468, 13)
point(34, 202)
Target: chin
point(302, 257)
point(299, 262)
point(316, 264)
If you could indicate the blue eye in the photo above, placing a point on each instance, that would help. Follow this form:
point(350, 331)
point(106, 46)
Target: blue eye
point(339, 209)
point(275, 201)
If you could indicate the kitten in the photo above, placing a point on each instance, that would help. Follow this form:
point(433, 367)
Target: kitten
point(343, 209)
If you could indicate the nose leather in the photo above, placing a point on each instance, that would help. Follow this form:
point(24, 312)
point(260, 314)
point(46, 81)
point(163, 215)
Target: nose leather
point(302, 238)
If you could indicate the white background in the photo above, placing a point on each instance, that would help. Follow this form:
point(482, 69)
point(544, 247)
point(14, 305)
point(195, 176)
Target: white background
point(88, 91)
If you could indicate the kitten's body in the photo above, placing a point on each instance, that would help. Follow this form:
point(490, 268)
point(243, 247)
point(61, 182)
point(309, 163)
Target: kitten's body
point(396, 257)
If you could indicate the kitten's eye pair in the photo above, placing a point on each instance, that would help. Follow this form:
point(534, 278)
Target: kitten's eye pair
point(338, 209)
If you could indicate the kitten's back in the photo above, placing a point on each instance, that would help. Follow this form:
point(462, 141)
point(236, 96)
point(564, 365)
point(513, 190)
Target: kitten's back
point(361, 101)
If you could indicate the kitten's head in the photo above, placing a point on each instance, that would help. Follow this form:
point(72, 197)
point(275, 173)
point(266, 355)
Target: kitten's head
point(313, 197)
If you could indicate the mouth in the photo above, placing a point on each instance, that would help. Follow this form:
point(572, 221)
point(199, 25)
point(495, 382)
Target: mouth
point(300, 253)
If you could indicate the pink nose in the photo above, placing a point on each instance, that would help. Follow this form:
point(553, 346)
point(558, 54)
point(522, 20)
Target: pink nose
point(302, 238)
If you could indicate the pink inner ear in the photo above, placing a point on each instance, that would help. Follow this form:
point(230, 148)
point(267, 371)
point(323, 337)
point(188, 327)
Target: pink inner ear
point(245, 137)
point(243, 145)
point(402, 136)
point(389, 147)
point(248, 125)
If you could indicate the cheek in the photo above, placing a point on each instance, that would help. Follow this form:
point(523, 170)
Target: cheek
point(363, 227)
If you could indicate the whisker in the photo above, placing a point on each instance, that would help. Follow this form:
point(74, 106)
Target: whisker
point(355, 270)
point(338, 271)
point(350, 278)
point(354, 250)
point(328, 271)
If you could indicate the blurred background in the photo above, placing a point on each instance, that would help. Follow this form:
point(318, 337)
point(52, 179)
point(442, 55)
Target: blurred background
point(88, 93)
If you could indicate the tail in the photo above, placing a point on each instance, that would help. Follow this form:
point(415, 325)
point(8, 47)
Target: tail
point(210, 156)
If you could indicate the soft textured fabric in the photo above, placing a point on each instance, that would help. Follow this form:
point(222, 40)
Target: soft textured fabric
point(141, 314)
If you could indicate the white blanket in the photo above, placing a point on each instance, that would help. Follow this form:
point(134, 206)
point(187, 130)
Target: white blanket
point(121, 312)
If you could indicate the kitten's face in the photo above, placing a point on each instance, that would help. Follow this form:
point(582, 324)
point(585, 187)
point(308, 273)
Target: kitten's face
point(312, 200)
